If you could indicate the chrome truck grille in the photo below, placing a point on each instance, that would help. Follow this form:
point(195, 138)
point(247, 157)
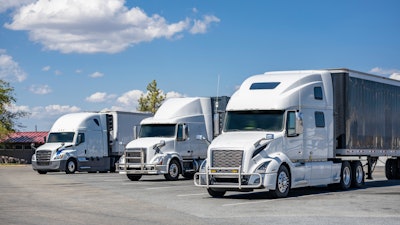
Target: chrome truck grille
point(43, 157)
point(226, 158)
point(136, 155)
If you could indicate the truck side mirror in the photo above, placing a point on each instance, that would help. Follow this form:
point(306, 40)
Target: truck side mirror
point(299, 123)
point(294, 124)
point(80, 139)
point(135, 132)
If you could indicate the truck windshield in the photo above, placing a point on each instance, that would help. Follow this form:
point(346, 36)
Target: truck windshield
point(157, 130)
point(61, 137)
point(269, 120)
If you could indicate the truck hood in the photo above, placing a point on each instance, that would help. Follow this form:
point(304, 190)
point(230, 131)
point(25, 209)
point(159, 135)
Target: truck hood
point(146, 142)
point(240, 140)
point(52, 146)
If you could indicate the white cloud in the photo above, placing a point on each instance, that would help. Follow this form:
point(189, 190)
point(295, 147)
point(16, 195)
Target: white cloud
point(173, 94)
point(40, 89)
point(100, 97)
point(43, 117)
point(96, 75)
point(57, 72)
point(130, 98)
point(43, 112)
point(59, 109)
point(97, 25)
point(392, 73)
point(46, 68)
point(12, 4)
point(201, 26)
point(9, 69)
point(395, 76)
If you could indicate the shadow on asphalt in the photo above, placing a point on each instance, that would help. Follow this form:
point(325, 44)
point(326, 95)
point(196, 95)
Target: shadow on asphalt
point(317, 190)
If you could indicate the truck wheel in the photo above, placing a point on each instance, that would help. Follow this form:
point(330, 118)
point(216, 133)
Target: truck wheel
point(134, 177)
point(345, 176)
point(282, 183)
point(357, 173)
point(215, 194)
point(173, 170)
point(391, 169)
point(71, 166)
point(42, 171)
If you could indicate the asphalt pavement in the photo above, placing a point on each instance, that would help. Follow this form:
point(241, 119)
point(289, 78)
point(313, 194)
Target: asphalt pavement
point(27, 197)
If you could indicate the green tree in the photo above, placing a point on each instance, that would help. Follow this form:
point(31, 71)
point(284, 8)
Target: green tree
point(8, 118)
point(152, 100)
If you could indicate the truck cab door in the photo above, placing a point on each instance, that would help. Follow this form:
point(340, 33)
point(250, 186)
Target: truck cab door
point(293, 143)
point(81, 145)
point(182, 144)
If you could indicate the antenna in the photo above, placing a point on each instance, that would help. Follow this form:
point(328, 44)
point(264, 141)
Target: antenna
point(216, 103)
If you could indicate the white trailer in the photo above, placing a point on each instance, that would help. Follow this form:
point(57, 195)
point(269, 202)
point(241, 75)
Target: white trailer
point(293, 129)
point(174, 141)
point(87, 141)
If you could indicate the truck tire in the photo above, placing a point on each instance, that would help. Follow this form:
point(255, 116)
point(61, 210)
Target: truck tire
point(174, 170)
point(391, 171)
point(42, 171)
point(70, 166)
point(215, 194)
point(282, 183)
point(345, 176)
point(357, 173)
point(134, 177)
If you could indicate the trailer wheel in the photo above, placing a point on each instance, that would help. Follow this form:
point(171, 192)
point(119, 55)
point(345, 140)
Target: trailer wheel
point(391, 169)
point(357, 173)
point(215, 194)
point(71, 166)
point(345, 176)
point(282, 183)
point(42, 171)
point(173, 170)
point(134, 177)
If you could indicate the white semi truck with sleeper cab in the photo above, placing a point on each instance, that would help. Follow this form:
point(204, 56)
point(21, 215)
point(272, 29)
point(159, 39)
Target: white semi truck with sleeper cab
point(86, 141)
point(293, 129)
point(175, 140)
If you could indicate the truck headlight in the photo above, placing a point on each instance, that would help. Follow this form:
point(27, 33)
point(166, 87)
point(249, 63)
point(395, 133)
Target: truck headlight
point(59, 156)
point(263, 167)
point(122, 160)
point(158, 160)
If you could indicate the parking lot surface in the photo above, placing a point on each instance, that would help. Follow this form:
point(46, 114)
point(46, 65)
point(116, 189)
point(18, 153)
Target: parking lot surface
point(110, 198)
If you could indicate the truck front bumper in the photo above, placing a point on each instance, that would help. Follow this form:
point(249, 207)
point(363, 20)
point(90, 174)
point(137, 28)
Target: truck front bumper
point(58, 165)
point(143, 169)
point(224, 178)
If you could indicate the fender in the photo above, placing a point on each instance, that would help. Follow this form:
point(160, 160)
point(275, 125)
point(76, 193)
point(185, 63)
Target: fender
point(170, 156)
point(275, 161)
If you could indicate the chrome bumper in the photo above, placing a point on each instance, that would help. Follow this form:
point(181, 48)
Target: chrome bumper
point(228, 178)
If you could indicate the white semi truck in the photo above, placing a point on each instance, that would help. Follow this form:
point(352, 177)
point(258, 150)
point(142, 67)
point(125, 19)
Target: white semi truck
point(293, 129)
point(87, 141)
point(174, 141)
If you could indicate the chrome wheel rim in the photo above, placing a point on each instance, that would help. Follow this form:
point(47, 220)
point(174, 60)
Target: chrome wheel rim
point(283, 182)
point(346, 175)
point(173, 170)
point(71, 166)
point(359, 174)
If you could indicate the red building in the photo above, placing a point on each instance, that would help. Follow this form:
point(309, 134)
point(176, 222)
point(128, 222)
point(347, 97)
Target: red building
point(17, 146)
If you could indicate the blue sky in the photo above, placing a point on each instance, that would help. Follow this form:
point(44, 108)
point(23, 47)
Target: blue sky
point(69, 56)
